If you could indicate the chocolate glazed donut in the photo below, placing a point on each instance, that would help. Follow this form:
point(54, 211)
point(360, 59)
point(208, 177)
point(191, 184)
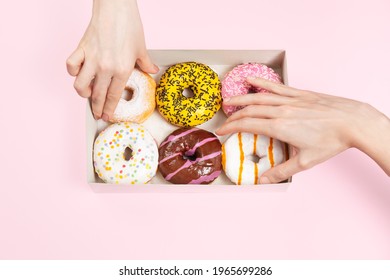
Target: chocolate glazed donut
point(190, 156)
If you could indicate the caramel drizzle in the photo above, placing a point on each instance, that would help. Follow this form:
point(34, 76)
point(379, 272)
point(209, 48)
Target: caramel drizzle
point(255, 163)
point(286, 153)
point(241, 159)
point(254, 143)
point(271, 152)
point(223, 157)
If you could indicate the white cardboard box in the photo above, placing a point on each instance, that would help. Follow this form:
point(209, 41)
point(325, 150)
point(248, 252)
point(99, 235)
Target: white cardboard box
point(221, 61)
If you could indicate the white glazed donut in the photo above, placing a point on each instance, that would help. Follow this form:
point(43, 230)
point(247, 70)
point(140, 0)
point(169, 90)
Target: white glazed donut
point(238, 152)
point(109, 154)
point(143, 101)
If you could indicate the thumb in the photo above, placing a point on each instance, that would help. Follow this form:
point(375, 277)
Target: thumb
point(75, 61)
point(282, 171)
point(145, 63)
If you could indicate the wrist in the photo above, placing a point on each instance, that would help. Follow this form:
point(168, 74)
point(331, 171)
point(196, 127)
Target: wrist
point(113, 7)
point(121, 2)
point(373, 137)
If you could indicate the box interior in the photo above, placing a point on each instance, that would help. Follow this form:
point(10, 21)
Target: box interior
point(221, 61)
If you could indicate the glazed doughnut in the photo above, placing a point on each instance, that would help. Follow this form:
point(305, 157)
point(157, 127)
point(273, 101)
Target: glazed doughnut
point(189, 111)
point(238, 152)
point(234, 82)
point(190, 156)
point(109, 154)
point(143, 101)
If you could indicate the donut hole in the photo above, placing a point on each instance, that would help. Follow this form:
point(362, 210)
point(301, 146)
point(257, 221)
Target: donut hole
point(127, 153)
point(127, 94)
point(254, 158)
point(189, 156)
point(187, 92)
point(253, 89)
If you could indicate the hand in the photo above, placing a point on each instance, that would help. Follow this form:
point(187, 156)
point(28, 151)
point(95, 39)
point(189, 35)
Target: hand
point(103, 61)
point(317, 126)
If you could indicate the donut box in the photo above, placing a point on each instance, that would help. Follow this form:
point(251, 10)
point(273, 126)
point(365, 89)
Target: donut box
point(221, 61)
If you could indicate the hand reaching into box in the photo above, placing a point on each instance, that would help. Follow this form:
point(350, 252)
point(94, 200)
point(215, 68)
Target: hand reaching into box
point(106, 55)
point(318, 126)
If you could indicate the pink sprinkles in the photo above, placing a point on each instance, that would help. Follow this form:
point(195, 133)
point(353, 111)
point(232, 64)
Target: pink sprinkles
point(235, 84)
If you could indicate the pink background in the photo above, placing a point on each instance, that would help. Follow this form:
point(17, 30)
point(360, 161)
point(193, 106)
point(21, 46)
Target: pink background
point(339, 209)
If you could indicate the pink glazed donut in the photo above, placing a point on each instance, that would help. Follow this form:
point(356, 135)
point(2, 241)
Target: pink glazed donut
point(235, 84)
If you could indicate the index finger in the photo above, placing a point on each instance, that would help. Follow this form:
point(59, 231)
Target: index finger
point(114, 94)
point(279, 89)
point(251, 125)
point(258, 99)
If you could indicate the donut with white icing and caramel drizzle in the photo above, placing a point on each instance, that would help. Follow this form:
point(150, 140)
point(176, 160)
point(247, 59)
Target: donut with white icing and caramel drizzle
point(246, 156)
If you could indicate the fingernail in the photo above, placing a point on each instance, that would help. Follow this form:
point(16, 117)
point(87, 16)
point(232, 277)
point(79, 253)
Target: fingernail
point(217, 131)
point(156, 67)
point(226, 99)
point(96, 117)
point(105, 117)
point(264, 180)
point(251, 78)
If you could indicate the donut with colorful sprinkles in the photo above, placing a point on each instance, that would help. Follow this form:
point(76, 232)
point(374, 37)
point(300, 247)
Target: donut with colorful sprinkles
point(125, 153)
point(190, 156)
point(189, 111)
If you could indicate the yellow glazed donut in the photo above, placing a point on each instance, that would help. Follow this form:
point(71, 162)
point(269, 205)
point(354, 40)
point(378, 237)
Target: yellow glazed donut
point(246, 156)
point(189, 111)
point(143, 100)
point(109, 158)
